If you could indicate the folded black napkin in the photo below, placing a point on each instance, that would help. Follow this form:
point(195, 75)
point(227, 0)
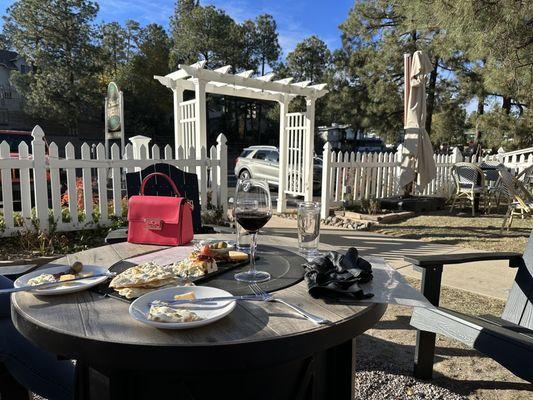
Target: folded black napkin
point(336, 276)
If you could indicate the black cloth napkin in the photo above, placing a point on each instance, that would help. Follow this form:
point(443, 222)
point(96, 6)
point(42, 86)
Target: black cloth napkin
point(335, 276)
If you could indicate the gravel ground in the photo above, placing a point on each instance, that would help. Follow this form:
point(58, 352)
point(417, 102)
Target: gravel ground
point(385, 359)
point(379, 385)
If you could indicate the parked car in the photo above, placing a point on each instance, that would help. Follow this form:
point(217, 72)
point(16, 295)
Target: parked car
point(263, 162)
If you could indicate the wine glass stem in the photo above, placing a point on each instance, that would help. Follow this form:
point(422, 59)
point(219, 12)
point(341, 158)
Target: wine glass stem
point(253, 245)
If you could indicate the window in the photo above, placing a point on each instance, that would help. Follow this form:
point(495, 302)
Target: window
point(261, 154)
point(273, 156)
point(245, 153)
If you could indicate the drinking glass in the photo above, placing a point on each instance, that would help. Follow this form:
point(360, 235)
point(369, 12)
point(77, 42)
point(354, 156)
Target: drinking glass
point(242, 239)
point(252, 211)
point(308, 228)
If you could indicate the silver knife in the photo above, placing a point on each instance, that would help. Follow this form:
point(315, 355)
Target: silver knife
point(251, 297)
point(46, 285)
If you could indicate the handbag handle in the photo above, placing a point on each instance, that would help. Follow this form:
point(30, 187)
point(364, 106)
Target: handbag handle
point(150, 176)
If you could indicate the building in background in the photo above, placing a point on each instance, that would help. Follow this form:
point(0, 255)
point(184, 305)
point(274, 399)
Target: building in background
point(343, 137)
point(12, 116)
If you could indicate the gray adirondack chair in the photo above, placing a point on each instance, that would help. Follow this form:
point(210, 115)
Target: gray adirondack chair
point(507, 340)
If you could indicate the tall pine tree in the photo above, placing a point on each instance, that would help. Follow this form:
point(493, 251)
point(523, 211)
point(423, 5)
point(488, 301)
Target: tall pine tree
point(56, 37)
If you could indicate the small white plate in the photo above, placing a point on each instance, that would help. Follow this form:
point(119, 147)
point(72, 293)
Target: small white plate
point(208, 313)
point(71, 287)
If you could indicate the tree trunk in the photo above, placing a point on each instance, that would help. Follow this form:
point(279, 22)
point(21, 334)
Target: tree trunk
point(506, 106)
point(431, 94)
point(480, 111)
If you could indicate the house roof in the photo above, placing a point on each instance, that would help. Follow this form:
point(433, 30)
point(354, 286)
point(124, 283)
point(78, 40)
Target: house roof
point(8, 58)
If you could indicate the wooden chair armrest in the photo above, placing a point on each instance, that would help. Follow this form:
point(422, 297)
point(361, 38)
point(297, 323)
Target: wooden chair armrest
point(425, 261)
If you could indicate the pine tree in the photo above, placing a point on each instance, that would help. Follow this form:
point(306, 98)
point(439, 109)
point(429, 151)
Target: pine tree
point(56, 38)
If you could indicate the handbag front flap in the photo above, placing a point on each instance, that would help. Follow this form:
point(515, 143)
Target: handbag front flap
point(155, 209)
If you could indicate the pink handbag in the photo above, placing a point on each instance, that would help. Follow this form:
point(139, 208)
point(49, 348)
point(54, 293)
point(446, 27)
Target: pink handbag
point(160, 220)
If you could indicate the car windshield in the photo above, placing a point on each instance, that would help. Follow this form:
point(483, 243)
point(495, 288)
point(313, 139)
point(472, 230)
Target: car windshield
point(15, 140)
point(245, 153)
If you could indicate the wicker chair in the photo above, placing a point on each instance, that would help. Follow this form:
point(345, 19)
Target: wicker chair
point(469, 183)
point(522, 199)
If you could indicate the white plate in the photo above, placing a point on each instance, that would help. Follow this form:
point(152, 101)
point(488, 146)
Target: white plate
point(72, 287)
point(208, 312)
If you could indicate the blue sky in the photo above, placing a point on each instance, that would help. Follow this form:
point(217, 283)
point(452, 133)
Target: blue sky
point(297, 19)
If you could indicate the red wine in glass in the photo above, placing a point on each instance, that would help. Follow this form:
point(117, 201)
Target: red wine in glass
point(252, 221)
point(252, 211)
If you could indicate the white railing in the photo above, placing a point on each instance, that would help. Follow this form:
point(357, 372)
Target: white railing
point(364, 176)
point(46, 183)
point(517, 160)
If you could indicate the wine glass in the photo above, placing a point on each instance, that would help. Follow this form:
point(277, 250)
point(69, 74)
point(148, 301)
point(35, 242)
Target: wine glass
point(252, 211)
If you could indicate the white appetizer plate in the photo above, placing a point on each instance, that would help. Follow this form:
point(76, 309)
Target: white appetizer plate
point(67, 287)
point(208, 313)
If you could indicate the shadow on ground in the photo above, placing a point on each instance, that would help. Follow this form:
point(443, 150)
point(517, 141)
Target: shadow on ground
point(389, 347)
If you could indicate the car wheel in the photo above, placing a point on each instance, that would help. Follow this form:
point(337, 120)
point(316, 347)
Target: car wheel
point(245, 174)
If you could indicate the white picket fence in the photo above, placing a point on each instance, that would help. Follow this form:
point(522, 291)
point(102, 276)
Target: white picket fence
point(364, 176)
point(94, 182)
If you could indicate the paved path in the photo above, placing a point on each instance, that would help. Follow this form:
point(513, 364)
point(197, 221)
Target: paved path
point(492, 279)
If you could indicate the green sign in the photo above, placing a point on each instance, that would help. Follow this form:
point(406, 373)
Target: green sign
point(113, 108)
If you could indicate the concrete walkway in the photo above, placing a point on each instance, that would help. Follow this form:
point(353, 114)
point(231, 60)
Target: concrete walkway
point(493, 279)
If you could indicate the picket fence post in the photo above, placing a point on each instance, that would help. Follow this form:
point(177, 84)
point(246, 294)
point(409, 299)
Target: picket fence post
point(7, 192)
point(40, 181)
point(456, 155)
point(326, 181)
point(398, 159)
point(222, 175)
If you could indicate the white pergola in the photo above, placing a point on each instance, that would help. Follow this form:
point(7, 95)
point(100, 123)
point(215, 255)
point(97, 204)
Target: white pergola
point(296, 137)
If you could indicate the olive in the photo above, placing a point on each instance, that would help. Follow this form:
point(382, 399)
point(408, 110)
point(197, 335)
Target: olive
point(77, 267)
point(222, 245)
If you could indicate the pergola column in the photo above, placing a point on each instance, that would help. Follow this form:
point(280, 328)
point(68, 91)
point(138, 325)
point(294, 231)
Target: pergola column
point(283, 150)
point(178, 134)
point(200, 115)
point(309, 147)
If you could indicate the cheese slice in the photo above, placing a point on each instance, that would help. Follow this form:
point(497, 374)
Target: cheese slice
point(238, 256)
point(185, 296)
point(66, 277)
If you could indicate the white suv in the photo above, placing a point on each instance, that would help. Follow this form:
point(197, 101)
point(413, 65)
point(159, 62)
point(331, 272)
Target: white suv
point(262, 162)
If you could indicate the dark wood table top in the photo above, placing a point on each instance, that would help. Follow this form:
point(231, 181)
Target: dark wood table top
point(87, 326)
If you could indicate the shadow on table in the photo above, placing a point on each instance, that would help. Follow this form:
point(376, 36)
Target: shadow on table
point(368, 243)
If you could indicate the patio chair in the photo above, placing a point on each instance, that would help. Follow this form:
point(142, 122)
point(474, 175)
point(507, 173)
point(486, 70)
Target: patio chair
point(522, 199)
point(469, 185)
point(496, 191)
point(508, 340)
point(526, 177)
point(186, 182)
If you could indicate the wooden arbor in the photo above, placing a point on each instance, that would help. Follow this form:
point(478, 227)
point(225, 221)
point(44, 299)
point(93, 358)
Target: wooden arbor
point(296, 137)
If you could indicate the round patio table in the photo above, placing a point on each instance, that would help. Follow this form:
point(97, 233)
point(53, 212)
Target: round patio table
point(260, 351)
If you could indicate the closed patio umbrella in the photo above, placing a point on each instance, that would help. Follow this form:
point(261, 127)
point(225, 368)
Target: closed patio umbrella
point(417, 158)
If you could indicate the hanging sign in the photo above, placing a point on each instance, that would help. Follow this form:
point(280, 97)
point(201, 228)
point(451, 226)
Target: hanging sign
point(114, 116)
point(113, 111)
